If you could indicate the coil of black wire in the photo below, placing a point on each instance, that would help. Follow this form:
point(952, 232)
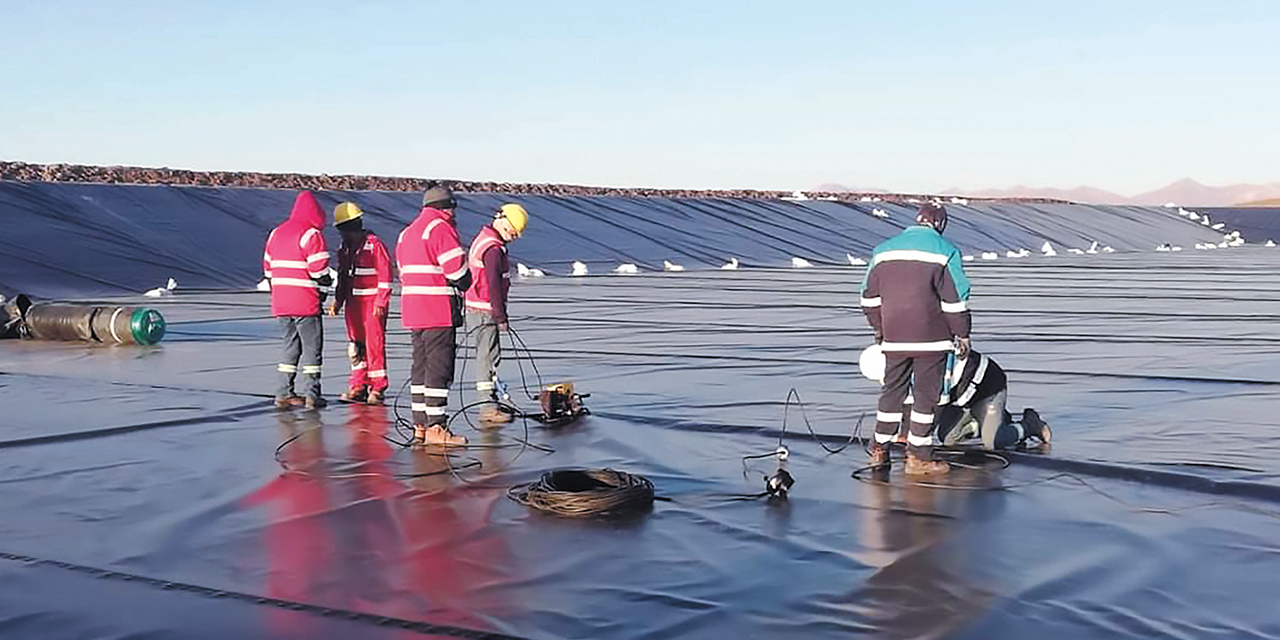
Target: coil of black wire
point(578, 493)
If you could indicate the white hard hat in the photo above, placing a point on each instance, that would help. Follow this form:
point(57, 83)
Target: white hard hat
point(871, 363)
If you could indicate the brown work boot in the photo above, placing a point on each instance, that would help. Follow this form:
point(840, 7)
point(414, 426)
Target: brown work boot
point(288, 402)
point(880, 456)
point(494, 415)
point(354, 394)
point(311, 404)
point(919, 467)
point(376, 396)
point(436, 435)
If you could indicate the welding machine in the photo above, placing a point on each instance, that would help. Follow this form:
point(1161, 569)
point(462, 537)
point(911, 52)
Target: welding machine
point(560, 404)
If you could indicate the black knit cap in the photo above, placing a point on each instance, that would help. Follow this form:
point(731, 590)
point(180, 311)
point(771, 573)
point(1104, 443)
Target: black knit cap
point(934, 215)
point(439, 197)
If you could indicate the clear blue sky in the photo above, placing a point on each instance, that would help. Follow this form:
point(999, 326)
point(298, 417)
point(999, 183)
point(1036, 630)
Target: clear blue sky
point(902, 95)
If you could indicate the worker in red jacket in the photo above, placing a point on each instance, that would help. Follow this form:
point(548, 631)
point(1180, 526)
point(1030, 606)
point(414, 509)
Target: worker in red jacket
point(433, 275)
point(296, 262)
point(487, 300)
point(364, 290)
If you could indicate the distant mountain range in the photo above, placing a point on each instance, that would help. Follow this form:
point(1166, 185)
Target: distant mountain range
point(1185, 192)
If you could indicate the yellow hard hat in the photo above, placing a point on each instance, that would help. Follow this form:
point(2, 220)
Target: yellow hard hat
point(346, 212)
point(516, 215)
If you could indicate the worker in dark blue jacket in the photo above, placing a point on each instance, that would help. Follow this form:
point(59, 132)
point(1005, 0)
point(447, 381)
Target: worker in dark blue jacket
point(915, 297)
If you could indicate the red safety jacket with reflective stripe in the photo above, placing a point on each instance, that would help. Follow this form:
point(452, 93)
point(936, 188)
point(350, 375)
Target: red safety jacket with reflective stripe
point(297, 254)
point(490, 277)
point(364, 273)
point(429, 256)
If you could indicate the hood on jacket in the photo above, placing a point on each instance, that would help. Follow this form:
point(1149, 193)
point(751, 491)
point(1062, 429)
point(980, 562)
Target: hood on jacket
point(307, 211)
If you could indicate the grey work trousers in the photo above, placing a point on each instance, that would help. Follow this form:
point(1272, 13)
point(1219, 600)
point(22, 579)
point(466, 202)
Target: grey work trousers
point(488, 351)
point(985, 418)
point(303, 346)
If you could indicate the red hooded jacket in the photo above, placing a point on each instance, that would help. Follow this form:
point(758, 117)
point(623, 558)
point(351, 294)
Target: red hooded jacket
point(296, 255)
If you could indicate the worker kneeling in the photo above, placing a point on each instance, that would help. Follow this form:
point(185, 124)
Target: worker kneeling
point(973, 407)
point(487, 301)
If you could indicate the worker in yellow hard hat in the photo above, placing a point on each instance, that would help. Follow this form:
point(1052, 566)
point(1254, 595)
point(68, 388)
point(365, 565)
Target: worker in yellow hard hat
point(487, 300)
point(364, 289)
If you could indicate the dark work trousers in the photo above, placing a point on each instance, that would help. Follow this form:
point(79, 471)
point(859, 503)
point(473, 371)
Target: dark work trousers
point(921, 375)
point(303, 346)
point(432, 374)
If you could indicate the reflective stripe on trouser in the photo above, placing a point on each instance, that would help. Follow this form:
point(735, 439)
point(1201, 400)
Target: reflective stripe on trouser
point(986, 418)
point(433, 354)
point(302, 350)
point(921, 375)
point(367, 334)
point(488, 350)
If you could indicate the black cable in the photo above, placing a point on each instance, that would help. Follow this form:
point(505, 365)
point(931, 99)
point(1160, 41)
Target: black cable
point(515, 411)
point(580, 493)
point(853, 437)
point(525, 442)
point(787, 405)
point(462, 399)
point(781, 452)
point(473, 463)
point(402, 423)
point(523, 381)
point(956, 452)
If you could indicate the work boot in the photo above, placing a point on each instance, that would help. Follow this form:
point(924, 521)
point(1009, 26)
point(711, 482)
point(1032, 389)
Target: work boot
point(919, 467)
point(354, 394)
point(288, 402)
point(436, 435)
point(494, 415)
point(376, 396)
point(1034, 427)
point(880, 456)
point(311, 404)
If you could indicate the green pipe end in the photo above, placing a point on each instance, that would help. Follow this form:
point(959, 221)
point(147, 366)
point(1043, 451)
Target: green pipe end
point(147, 326)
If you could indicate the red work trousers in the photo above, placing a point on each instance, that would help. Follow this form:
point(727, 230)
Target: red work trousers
point(367, 334)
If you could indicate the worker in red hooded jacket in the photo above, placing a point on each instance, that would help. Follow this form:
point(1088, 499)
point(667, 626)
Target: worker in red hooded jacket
point(296, 262)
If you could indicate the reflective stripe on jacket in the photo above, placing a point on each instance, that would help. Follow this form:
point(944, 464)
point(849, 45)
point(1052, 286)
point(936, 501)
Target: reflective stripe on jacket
point(295, 256)
point(365, 273)
point(429, 256)
point(490, 274)
point(916, 294)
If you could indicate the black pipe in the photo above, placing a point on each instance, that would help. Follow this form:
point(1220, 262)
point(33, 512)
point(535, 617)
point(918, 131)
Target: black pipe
point(109, 325)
